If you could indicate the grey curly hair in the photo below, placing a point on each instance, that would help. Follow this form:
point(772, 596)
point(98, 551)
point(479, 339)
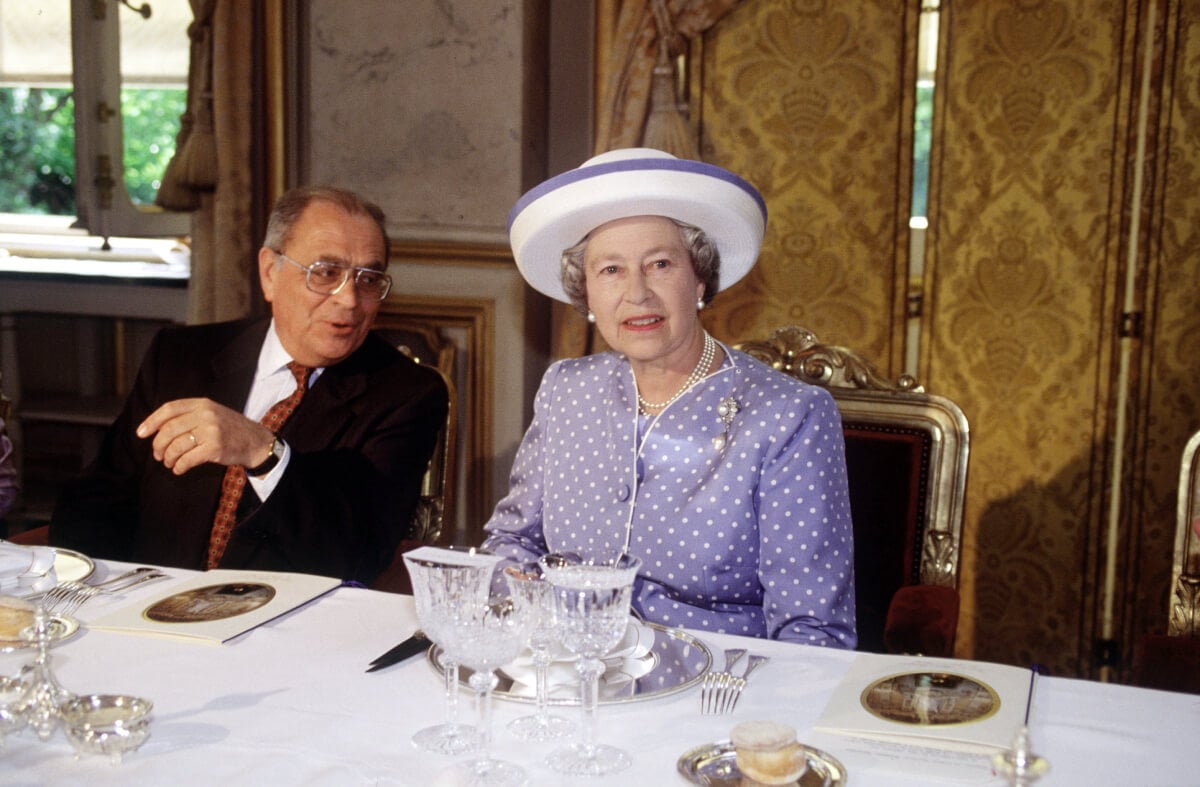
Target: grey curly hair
point(706, 263)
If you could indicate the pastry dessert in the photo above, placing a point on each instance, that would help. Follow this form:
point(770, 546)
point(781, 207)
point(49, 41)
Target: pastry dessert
point(15, 617)
point(767, 752)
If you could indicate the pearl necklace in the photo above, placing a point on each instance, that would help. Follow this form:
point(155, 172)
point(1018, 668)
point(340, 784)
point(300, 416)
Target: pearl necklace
point(698, 374)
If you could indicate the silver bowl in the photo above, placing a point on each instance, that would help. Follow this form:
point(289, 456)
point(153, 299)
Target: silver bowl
point(111, 724)
point(13, 691)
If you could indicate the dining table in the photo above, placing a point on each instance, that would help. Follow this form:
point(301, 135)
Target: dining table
point(291, 703)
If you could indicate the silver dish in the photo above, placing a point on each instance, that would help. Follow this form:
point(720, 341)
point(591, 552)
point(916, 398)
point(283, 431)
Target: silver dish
point(675, 662)
point(72, 566)
point(111, 724)
point(60, 628)
point(715, 764)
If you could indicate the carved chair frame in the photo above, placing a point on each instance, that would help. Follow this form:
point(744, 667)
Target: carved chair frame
point(1184, 613)
point(865, 397)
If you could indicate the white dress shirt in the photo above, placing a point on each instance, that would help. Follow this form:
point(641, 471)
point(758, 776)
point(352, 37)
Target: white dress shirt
point(272, 383)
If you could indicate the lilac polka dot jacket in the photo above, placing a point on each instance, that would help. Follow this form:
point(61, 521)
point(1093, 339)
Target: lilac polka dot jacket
point(734, 497)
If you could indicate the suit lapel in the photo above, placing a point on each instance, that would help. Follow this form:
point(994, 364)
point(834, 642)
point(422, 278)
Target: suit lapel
point(234, 365)
point(325, 409)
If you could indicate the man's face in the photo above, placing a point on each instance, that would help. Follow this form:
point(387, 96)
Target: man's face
point(316, 329)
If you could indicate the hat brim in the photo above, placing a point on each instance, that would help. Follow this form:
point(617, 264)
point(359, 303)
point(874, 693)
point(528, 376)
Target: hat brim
point(561, 211)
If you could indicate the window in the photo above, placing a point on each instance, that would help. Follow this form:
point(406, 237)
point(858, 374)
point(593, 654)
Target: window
point(89, 123)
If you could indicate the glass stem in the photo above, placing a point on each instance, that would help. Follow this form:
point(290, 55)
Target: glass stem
point(483, 683)
point(541, 665)
point(589, 699)
point(450, 675)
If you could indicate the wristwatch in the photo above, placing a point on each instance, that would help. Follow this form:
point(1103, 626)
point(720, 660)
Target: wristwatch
point(268, 464)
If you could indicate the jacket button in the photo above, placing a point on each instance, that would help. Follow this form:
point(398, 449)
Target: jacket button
point(623, 492)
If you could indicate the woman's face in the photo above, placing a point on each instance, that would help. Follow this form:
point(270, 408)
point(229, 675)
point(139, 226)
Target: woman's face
point(642, 289)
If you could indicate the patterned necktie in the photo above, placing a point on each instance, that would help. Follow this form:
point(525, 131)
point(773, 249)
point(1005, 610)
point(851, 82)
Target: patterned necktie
point(235, 475)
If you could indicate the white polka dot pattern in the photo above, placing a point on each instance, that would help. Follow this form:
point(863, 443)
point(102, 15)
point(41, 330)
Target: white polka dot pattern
point(749, 534)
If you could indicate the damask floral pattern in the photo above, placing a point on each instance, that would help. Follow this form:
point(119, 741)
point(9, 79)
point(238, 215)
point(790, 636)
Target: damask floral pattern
point(805, 100)
point(1034, 179)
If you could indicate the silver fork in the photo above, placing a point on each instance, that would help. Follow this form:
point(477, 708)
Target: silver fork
point(65, 590)
point(734, 692)
point(66, 603)
point(715, 682)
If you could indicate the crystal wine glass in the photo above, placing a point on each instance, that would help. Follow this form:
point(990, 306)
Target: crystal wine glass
point(527, 583)
point(484, 637)
point(442, 579)
point(592, 603)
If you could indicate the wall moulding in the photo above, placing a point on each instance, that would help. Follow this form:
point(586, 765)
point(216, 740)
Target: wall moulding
point(469, 324)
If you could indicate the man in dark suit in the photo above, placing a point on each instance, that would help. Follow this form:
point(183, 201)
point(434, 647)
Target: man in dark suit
point(312, 432)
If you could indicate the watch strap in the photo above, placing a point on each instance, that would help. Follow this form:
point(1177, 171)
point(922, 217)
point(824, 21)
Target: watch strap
point(268, 464)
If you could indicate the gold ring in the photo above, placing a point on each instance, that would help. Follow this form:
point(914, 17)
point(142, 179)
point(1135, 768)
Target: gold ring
point(193, 436)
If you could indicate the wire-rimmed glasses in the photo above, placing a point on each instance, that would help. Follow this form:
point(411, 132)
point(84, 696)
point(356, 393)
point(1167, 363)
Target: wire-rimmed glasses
point(328, 278)
point(592, 604)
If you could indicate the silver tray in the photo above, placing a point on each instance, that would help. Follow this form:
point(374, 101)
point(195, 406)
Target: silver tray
point(675, 662)
point(715, 764)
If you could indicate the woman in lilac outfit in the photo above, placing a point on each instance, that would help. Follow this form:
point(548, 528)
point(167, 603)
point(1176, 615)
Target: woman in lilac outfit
point(726, 477)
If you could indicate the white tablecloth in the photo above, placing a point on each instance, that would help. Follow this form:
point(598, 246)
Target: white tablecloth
point(290, 704)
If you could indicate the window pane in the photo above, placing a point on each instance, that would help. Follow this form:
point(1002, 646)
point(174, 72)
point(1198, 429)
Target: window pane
point(37, 123)
point(151, 122)
point(154, 69)
point(37, 133)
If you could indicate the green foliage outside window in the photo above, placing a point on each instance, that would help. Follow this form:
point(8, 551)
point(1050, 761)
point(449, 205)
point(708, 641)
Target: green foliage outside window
point(922, 140)
point(37, 135)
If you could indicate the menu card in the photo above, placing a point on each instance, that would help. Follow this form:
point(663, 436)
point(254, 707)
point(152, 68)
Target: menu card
point(218, 605)
point(968, 706)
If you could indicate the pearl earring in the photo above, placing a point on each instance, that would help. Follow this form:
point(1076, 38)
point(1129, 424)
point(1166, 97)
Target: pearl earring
point(699, 304)
point(591, 317)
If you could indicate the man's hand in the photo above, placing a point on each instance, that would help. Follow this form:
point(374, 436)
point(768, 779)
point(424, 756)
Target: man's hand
point(189, 432)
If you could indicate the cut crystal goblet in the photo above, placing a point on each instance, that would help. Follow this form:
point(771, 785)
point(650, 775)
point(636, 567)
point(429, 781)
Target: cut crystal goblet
point(592, 604)
point(527, 583)
point(443, 582)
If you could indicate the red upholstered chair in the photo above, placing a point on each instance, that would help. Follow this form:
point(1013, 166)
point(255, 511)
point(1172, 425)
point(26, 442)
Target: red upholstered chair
point(906, 461)
point(1171, 661)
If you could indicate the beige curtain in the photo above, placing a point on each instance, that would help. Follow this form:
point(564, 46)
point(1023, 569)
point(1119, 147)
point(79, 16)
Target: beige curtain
point(638, 103)
point(210, 173)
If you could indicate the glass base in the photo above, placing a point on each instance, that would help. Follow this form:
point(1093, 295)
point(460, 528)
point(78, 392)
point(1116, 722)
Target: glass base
point(449, 739)
point(485, 773)
point(541, 728)
point(578, 760)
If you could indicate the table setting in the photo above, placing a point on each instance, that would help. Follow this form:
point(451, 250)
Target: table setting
point(290, 700)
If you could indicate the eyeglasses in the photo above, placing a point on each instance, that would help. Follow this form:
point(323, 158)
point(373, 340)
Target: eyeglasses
point(328, 278)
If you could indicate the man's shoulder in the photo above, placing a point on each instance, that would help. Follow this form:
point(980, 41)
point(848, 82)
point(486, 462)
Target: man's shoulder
point(379, 358)
point(210, 335)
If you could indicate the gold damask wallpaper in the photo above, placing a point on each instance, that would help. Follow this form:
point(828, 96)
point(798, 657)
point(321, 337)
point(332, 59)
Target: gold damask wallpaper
point(1064, 194)
point(1167, 370)
point(812, 102)
point(1024, 260)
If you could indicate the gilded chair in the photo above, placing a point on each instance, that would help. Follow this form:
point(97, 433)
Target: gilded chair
point(906, 461)
point(426, 346)
point(1172, 661)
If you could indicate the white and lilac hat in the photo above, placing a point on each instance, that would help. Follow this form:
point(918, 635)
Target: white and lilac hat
point(557, 214)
